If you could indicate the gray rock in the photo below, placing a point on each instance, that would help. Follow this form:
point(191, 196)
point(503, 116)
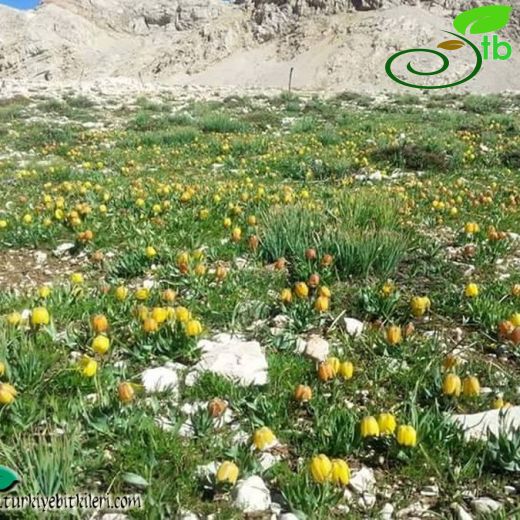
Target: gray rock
point(485, 505)
point(430, 491)
point(353, 327)
point(161, 379)
point(460, 512)
point(233, 358)
point(387, 512)
point(251, 495)
point(317, 348)
point(363, 481)
point(63, 249)
point(498, 422)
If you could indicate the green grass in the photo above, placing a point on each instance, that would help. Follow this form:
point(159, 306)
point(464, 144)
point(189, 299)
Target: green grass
point(223, 190)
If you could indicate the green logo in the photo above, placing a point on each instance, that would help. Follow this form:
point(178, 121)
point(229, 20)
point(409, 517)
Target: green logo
point(8, 479)
point(489, 18)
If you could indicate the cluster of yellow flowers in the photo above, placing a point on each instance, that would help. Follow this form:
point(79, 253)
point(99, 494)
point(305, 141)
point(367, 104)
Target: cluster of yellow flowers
point(332, 367)
point(302, 290)
point(7, 391)
point(386, 424)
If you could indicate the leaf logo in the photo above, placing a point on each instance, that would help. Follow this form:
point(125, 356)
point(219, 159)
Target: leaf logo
point(8, 479)
point(488, 18)
point(451, 45)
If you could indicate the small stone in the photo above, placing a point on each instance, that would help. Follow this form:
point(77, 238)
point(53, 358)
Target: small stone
point(363, 481)
point(188, 515)
point(386, 512)
point(288, 516)
point(412, 511)
point(268, 460)
point(497, 422)
point(430, 491)
point(460, 512)
point(232, 357)
point(485, 505)
point(40, 257)
point(317, 348)
point(509, 490)
point(367, 501)
point(207, 470)
point(251, 495)
point(161, 379)
point(63, 248)
point(353, 327)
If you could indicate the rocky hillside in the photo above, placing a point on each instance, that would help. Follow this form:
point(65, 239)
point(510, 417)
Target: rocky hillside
point(331, 44)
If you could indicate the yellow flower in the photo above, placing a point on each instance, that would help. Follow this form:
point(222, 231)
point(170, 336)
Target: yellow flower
point(451, 385)
point(3, 224)
point(303, 393)
point(406, 436)
point(182, 314)
point(77, 278)
point(7, 393)
point(150, 326)
point(325, 291)
point(321, 468)
point(88, 366)
point(236, 234)
point(369, 427)
point(121, 293)
point(286, 295)
point(326, 371)
point(159, 314)
point(227, 473)
point(193, 328)
point(471, 386)
point(394, 335)
point(346, 370)
point(515, 319)
point(150, 252)
point(498, 403)
point(169, 295)
point(200, 269)
point(227, 222)
point(301, 290)
point(40, 316)
point(126, 392)
point(471, 290)
point(340, 472)
point(419, 305)
point(388, 288)
point(471, 228)
point(263, 438)
point(142, 294)
point(27, 219)
point(100, 345)
point(44, 291)
point(321, 304)
point(99, 323)
point(386, 423)
point(14, 319)
point(334, 363)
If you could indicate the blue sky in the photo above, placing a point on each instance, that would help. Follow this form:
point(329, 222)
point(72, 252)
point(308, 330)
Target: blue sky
point(21, 4)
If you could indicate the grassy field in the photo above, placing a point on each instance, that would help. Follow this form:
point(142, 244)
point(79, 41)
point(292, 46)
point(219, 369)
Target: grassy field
point(273, 218)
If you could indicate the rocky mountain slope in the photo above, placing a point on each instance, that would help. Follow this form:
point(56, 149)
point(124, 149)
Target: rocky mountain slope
point(331, 44)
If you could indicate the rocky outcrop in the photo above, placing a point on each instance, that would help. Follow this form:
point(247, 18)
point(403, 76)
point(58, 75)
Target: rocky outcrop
point(330, 44)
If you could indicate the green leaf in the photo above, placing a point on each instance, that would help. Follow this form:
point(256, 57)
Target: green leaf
point(135, 480)
point(8, 478)
point(488, 18)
